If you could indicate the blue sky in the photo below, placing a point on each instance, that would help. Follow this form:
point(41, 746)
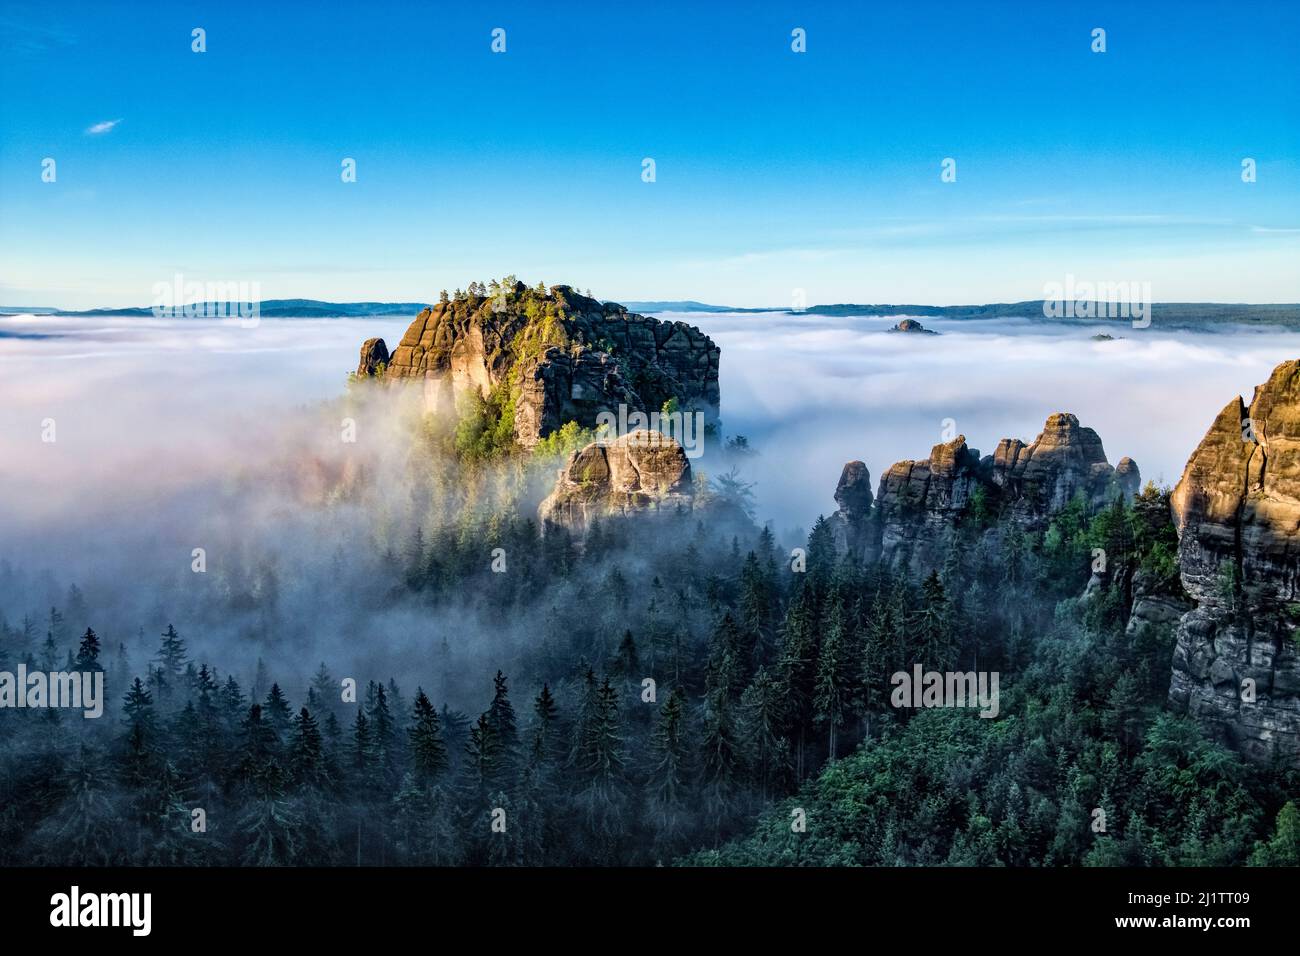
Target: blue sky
point(775, 171)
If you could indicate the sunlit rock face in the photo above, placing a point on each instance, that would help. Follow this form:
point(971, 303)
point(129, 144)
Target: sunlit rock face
point(644, 473)
point(1237, 511)
point(1065, 460)
point(921, 504)
point(564, 356)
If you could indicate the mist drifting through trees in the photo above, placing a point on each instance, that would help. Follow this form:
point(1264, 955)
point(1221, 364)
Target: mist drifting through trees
point(523, 693)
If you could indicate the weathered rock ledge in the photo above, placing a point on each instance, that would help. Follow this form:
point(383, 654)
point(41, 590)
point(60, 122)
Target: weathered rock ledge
point(644, 473)
point(563, 357)
point(1236, 665)
point(919, 503)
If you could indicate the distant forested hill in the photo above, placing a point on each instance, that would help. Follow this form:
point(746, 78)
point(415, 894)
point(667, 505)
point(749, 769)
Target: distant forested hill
point(1182, 315)
point(1167, 315)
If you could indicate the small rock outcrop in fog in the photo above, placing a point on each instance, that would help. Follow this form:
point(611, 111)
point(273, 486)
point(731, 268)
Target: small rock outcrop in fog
point(853, 495)
point(912, 327)
point(1237, 512)
point(642, 473)
point(374, 358)
point(562, 356)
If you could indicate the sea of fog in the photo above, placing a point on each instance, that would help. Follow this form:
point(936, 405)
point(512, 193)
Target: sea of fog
point(812, 392)
point(172, 434)
point(144, 408)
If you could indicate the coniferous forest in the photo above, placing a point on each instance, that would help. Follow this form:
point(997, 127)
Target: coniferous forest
point(684, 696)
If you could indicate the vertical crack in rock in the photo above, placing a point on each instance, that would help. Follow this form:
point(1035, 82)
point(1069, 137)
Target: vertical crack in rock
point(1237, 512)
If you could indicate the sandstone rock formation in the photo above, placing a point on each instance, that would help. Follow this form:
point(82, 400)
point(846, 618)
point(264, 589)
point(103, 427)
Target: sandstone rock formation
point(563, 357)
point(1128, 479)
point(912, 326)
point(920, 503)
point(374, 358)
point(1065, 460)
point(642, 473)
point(1236, 664)
point(850, 524)
point(1152, 607)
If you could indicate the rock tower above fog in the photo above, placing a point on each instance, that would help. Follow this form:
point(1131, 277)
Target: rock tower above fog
point(919, 503)
point(1237, 511)
point(563, 357)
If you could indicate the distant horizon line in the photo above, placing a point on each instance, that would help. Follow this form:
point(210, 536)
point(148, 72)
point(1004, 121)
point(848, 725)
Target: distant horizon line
point(380, 307)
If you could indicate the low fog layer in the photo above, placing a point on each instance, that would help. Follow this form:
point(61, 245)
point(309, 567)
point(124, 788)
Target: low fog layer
point(183, 434)
point(812, 392)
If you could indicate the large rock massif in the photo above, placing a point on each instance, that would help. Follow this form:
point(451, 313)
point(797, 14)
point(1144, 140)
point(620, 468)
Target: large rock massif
point(1237, 511)
point(920, 503)
point(563, 357)
point(641, 473)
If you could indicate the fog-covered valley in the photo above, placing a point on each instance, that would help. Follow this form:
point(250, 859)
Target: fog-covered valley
point(237, 483)
point(171, 435)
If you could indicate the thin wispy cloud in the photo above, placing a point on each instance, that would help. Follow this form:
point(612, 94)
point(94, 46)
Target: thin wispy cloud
point(101, 128)
point(32, 39)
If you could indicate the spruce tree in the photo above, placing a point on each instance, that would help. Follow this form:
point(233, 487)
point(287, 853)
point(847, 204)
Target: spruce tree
point(502, 714)
point(669, 756)
point(257, 760)
point(142, 739)
point(276, 712)
point(383, 734)
point(325, 688)
point(428, 751)
point(50, 651)
point(307, 753)
point(726, 671)
point(627, 662)
point(231, 703)
point(720, 759)
point(798, 671)
point(604, 740)
point(172, 656)
point(599, 761)
point(545, 716)
point(483, 757)
point(455, 731)
point(88, 653)
point(755, 608)
point(934, 624)
point(363, 747)
point(137, 707)
point(833, 688)
point(762, 716)
point(821, 551)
